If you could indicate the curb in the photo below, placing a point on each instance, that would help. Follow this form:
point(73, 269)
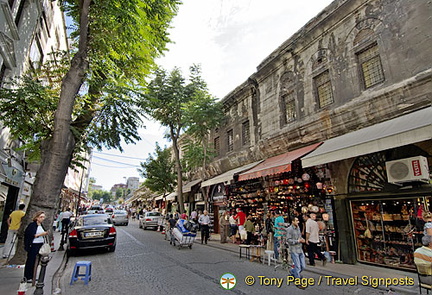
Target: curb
point(56, 279)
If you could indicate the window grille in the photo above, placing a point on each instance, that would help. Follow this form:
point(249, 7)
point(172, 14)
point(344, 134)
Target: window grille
point(217, 146)
point(324, 89)
point(245, 133)
point(370, 65)
point(230, 137)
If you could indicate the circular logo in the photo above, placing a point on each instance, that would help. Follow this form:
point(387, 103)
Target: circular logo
point(228, 281)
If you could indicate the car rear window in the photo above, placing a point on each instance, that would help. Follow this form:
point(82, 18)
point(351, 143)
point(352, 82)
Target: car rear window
point(153, 214)
point(94, 220)
point(120, 212)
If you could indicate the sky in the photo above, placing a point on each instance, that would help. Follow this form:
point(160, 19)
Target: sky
point(228, 39)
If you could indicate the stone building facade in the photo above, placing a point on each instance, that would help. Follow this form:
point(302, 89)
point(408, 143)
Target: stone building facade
point(356, 65)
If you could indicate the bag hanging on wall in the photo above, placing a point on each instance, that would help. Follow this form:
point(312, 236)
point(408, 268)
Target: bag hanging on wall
point(45, 250)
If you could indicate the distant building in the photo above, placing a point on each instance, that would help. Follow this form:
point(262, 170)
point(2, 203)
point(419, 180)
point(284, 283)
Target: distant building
point(115, 187)
point(132, 183)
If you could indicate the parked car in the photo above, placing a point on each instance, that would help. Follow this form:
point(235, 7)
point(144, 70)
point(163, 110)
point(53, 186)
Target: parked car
point(120, 217)
point(92, 231)
point(150, 219)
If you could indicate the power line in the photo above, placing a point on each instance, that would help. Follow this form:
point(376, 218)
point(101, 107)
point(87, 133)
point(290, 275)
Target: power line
point(116, 167)
point(119, 156)
point(112, 161)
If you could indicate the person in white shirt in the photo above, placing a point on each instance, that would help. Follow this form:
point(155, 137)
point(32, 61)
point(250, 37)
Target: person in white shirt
point(312, 240)
point(204, 221)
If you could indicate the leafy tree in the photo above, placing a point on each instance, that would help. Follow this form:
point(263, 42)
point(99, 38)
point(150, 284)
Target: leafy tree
point(203, 114)
point(158, 171)
point(114, 53)
point(102, 194)
point(165, 101)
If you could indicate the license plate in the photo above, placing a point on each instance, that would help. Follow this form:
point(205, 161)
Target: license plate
point(96, 234)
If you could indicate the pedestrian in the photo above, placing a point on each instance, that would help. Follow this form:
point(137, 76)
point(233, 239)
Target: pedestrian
point(33, 241)
point(233, 227)
point(278, 232)
point(250, 228)
point(240, 217)
point(194, 216)
point(269, 230)
point(295, 242)
point(171, 224)
point(14, 223)
point(204, 221)
point(312, 240)
point(224, 226)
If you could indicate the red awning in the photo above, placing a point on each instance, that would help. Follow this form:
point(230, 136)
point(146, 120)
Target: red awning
point(277, 164)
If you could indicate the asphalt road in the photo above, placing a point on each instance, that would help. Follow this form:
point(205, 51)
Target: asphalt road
point(144, 263)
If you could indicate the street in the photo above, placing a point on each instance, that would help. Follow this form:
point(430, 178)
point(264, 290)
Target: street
point(145, 263)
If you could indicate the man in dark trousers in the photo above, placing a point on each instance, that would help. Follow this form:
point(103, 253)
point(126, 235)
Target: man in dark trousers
point(312, 240)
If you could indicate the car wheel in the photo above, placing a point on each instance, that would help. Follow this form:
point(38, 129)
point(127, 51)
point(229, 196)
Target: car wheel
point(144, 228)
point(127, 223)
point(111, 249)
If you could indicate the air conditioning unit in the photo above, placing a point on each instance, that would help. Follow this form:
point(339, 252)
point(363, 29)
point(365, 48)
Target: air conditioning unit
point(408, 170)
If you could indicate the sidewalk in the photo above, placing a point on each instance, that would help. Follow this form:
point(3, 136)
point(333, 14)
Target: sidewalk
point(10, 276)
point(340, 270)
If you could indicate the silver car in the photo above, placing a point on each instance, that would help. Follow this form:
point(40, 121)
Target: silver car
point(120, 217)
point(150, 219)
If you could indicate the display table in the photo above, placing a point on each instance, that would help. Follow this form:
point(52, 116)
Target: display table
point(256, 252)
point(246, 249)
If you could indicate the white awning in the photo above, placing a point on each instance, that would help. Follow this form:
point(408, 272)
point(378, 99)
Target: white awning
point(227, 176)
point(188, 186)
point(404, 130)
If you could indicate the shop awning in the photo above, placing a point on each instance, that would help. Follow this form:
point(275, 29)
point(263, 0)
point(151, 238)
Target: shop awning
point(277, 164)
point(188, 186)
point(170, 197)
point(407, 129)
point(227, 176)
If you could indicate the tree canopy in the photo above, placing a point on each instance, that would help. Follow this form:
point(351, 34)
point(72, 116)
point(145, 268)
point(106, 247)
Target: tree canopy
point(158, 171)
point(115, 43)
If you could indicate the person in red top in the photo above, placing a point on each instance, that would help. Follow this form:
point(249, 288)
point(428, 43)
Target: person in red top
point(241, 219)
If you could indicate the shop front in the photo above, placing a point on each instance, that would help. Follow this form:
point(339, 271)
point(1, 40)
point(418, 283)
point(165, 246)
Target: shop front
point(387, 217)
point(281, 184)
point(386, 188)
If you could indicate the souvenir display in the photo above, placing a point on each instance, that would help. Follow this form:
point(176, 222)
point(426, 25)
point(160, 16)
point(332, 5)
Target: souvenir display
point(386, 232)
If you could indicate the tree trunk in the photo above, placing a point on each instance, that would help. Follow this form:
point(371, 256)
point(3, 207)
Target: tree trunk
point(179, 171)
point(57, 152)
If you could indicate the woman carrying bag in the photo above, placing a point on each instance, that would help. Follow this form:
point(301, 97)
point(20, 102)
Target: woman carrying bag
point(33, 240)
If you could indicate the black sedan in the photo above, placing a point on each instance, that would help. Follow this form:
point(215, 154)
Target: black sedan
point(92, 231)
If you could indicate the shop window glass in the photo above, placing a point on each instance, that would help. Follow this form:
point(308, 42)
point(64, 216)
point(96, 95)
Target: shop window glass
point(387, 230)
point(370, 66)
point(323, 89)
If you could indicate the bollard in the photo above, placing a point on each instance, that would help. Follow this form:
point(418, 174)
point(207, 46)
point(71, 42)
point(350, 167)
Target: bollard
point(22, 287)
point(40, 284)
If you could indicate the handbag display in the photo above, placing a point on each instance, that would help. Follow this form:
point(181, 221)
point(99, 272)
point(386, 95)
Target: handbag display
point(45, 250)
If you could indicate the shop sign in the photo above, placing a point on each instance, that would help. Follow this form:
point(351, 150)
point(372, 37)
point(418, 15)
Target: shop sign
point(26, 189)
point(13, 175)
point(219, 198)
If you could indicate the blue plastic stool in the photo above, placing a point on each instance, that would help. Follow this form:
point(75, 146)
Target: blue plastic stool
point(85, 276)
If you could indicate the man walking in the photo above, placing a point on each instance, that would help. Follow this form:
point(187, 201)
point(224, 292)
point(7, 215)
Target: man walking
point(204, 221)
point(14, 223)
point(278, 230)
point(312, 240)
point(295, 242)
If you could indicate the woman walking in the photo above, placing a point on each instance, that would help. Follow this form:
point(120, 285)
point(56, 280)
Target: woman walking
point(33, 241)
